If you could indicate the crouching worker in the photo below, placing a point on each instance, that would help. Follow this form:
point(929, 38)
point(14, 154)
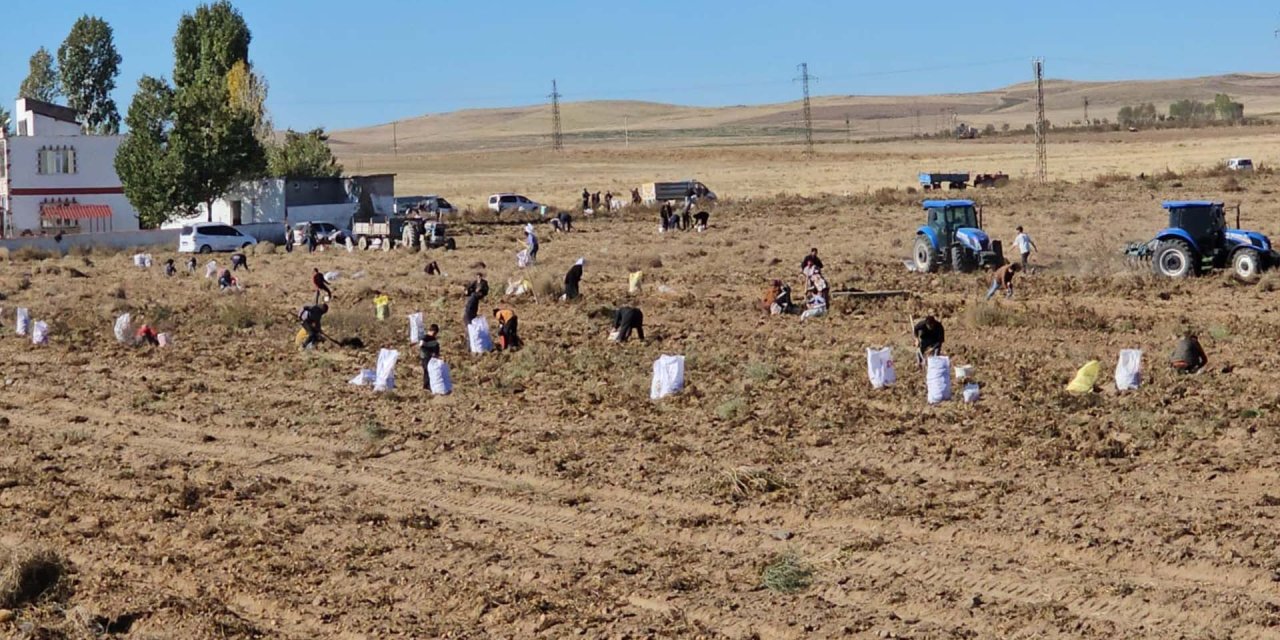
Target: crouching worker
point(929, 338)
point(626, 320)
point(428, 350)
point(1003, 279)
point(508, 329)
point(572, 279)
point(227, 281)
point(700, 221)
point(816, 308)
point(146, 335)
point(1188, 356)
point(238, 262)
point(169, 269)
point(779, 299)
point(310, 317)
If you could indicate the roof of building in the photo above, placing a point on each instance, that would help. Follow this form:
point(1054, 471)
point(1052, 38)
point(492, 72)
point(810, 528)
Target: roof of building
point(937, 204)
point(74, 211)
point(1183, 204)
point(55, 111)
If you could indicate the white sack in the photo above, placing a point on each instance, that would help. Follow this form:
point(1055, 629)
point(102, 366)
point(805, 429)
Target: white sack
point(163, 340)
point(668, 376)
point(522, 259)
point(332, 276)
point(122, 328)
point(880, 367)
point(142, 260)
point(365, 378)
point(1129, 370)
point(40, 333)
point(211, 268)
point(24, 321)
point(438, 373)
point(416, 330)
point(386, 372)
point(938, 378)
point(478, 335)
point(971, 392)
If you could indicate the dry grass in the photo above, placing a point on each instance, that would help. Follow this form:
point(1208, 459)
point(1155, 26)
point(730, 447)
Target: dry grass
point(745, 482)
point(27, 576)
point(787, 573)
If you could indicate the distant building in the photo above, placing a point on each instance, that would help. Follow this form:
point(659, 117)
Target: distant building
point(335, 200)
point(54, 177)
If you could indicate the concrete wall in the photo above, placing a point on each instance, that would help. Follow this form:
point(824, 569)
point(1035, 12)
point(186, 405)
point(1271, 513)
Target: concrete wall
point(260, 201)
point(118, 240)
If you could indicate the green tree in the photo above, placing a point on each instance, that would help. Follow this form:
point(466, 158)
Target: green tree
point(213, 145)
point(5, 120)
point(143, 162)
point(1228, 109)
point(41, 82)
point(247, 92)
point(209, 43)
point(88, 64)
point(303, 155)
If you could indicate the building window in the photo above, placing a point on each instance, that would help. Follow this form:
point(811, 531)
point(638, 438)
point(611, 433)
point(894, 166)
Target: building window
point(55, 160)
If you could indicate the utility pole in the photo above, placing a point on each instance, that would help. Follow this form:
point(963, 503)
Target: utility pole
point(557, 137)
point(848, 132)
point(626, 132)
point(1086, 111)
point(395, 138)
point(1042, 163)
point(917, 129)
point(808, 111)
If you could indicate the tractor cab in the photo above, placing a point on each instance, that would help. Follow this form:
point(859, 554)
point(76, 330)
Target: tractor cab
point(953, 236)
point(1198, 239)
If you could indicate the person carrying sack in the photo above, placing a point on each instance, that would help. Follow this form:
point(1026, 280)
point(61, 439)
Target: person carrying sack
point(930, 335)
point(429, 349)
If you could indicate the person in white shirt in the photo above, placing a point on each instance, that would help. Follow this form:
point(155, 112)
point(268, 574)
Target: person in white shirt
point(1025, 246)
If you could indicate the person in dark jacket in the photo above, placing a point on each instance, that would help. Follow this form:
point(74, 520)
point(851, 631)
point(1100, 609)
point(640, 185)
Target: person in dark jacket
point(811, 260)
point(626, 320)
point(169, 269)
point(930, 335)
point(428, 349)
point(586, 199)
point(478, 286)
point(1188, 356)
point(191, 264)
point(664, 213)
point(572, 279)
point(700, 220)
point(311, 317)
point(288, 238)
point(472, 309)
point(238, 260)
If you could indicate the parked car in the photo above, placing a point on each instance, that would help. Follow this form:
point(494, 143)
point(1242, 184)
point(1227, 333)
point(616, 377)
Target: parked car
point(500, 202)
point(1240, 164)
point(425, 204)
point(326, 233)
point(205, 237)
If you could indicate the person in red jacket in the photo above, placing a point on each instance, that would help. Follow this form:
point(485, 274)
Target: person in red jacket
point(321, 285)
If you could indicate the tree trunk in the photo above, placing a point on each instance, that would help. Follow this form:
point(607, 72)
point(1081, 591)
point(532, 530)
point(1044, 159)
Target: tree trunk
point(208, 211)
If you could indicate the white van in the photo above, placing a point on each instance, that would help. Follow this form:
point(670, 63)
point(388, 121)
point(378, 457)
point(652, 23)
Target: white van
point(204, 237)
point(500, 202)
point(1240, 164)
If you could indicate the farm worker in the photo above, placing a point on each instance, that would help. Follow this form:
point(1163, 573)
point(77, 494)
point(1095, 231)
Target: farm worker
point(309, 237)
point(238, 260)
point(310, 317)
point(169, 269)
point(321, 284)
point(781, 302)
point(1025, 246)
point(929, 335)
point(428, 349)
point(700, 220)
point(816, 307)
point(595, 200)
point(1004, 279)
point(531, 241)
point(146, 334)
point(608, 200)
point(635, 197)
point(572, 279)
point(586, 199)
point(626, 320)
point(472, 309)
point(432, 269)
point(508, 329)
point(479, 285)
point(686, 220)
point(818, 285)
point(227, 281)
point(811, 260)
point(564, 221)
point(1188, 356)
point(288, 238)
point(664, 213)
point(191, 264)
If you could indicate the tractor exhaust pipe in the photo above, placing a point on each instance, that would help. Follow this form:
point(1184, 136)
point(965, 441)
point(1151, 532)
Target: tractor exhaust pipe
point(1237, 215)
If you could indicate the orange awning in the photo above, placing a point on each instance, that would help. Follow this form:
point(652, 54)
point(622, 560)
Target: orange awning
point(75, 211)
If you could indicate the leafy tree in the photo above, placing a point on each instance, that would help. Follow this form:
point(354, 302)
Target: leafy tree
point(303, 155)
point(41, 82)
point(209, 43)
point(5, 120)
point(88, 64)
point(212, 144)
point(143, 163)
point(247, 91)
point(1228, 109)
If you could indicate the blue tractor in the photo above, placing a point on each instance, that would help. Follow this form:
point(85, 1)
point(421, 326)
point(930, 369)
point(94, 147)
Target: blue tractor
point(1198, 239)
point(952, 237)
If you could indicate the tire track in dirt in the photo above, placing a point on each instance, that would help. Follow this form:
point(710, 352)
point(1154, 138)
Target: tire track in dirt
point(615, 512)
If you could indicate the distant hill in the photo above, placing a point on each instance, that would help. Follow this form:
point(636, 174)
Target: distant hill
point(649, 123)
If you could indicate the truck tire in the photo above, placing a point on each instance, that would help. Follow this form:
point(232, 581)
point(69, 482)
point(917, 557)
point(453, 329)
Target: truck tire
point(924, 255)
point(962, 260)
point(1247, 265)
point(362, 242)
point(1174, 259)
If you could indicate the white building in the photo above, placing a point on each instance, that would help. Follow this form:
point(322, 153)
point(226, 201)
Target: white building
point(334, 200)
point(54, 177)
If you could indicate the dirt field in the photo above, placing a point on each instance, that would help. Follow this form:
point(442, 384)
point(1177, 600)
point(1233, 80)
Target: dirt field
point(232, 487)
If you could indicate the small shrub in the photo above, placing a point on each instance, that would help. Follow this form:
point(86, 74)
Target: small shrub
point(31, 253)
point(992, 315)
point(1113, 177)
point(237, 315)
point(655, 262)
point(731, 408)
point(26, 576)
point(759, 371)
point(744, 482)
point(885, 196)
point(547, 285)
point(787, 573)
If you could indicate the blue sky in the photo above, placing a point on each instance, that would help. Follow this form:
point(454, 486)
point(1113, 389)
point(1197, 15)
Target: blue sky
point(346, 64)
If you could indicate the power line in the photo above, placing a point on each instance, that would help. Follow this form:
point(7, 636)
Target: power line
point(808, 111)
point(557, 138)
point(1042, 168)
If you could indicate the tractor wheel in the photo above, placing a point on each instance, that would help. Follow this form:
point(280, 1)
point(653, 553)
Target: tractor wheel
point(1246, 264)
point(1175, 259)
point(362, 242)
point(924, 255)
point(962, 260)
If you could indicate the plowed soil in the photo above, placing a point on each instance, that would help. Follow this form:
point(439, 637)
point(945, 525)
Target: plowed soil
point(231, 486)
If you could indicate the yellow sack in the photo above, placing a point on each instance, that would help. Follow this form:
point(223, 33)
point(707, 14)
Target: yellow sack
point(636, 276)
point(1085, 377)
point(382, 307)
point(300, 337)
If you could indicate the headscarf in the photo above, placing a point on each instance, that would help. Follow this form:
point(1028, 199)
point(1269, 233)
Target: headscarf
point(581, 262)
